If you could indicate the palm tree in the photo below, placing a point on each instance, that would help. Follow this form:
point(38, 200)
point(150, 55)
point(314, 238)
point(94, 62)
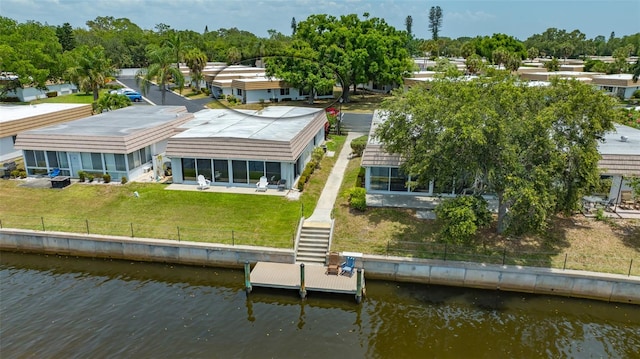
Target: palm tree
point(92, 69)
point(174, 42)
point(109, 102)
point(160, 70)
point(636, 71)
point(196, 60)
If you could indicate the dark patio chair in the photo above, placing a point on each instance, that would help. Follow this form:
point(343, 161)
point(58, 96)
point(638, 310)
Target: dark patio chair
point(333, 266)
point(282, 184)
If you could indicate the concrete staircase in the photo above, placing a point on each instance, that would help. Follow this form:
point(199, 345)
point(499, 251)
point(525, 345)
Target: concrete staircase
point(313, 243)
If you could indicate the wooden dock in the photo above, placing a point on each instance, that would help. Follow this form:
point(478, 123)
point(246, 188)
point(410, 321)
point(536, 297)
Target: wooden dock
point(314, 278)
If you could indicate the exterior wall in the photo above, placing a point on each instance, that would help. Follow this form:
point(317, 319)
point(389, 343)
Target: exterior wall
point(624, 92)
point(598, 286)
point(141, 249)
point(74, 165)
point(7, 151)
point(289, 171)
point(581, 284)
point(31, 94)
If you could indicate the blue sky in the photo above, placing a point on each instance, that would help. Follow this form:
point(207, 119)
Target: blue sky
point(519, 18)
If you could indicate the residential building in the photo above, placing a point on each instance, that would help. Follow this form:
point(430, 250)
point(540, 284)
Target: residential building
point(124, 143)
point(18, 118)
point(620, 85)
point(237, 147)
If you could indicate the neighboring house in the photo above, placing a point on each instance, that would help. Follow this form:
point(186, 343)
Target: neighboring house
point(27, 94)
point(125, 142)
point(620, 85)
point(620, 158)
point(382, 170)
point(238, 147)
point(18, 118)
point(255, 89)
point(620, 153)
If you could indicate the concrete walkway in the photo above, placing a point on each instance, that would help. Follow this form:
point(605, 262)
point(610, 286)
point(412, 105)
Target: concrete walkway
point(327, 199)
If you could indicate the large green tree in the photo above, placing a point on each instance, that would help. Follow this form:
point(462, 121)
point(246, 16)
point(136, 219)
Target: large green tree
point(160, 70)
point(90, 69)
point(299, 67)
point(30, 53)
point(358, 51)
point(535, 148)
point(123, 41)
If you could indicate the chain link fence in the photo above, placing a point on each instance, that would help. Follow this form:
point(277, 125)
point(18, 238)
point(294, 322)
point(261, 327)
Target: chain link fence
point(240, 236)
point(505, 256)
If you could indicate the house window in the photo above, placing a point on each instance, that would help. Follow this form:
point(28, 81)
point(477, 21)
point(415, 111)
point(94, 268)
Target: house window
point(256, 170)
point(189, 169)
point(36, 162)
point(398, 181)
point(273, 172)
point(221, 170)
point(380, 178)
point(239, 92)
point(239, 171)
point(91, 161)
point(204, 168)
point(115, 162)
point(268, 90)
point(284, 92)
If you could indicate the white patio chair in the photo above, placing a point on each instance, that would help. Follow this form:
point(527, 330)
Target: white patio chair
point(261, 186)
point(203, 183)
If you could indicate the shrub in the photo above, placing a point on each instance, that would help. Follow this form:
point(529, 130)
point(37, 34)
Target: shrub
point(18, 173)
point(82, 175)
point(317, 154)
point(358, 198)
point(461, 217)
point(106, 178)
point(301, 182)
point(123, 180)
point(358, 145)
point(90, 177)
point(360, 178)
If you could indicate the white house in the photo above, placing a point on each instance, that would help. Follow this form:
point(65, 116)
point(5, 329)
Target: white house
point(237, 147)
point(125, 142)
point(18, 118)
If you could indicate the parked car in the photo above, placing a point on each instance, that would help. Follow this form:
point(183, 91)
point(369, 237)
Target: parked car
point(120, 91)
point(133, 95)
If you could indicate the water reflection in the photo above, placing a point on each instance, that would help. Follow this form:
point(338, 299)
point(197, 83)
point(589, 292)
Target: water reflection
point(66, 307)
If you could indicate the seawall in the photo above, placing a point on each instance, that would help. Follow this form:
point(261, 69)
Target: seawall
point(570, 283)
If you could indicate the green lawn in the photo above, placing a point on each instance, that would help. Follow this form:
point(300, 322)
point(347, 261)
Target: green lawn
point(160, 213)
point(573, 243)
point(72, 98)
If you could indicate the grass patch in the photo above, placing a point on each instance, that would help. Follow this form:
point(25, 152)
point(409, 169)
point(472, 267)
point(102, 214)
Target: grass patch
point(586, 244)
point(158, 213)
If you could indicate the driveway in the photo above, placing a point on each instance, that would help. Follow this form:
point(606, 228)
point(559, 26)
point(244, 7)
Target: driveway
point(357, 122)
point(154, 96)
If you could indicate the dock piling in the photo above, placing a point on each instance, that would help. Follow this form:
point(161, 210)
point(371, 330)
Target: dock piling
point(247, 277)
point(303, 289)
point(359, 286)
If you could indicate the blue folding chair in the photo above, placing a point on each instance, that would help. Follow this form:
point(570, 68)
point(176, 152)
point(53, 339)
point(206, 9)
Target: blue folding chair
point(54, 173)
point(348, 266)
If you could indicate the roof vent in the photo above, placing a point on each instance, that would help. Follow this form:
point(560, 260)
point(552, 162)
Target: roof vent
point(624, 138)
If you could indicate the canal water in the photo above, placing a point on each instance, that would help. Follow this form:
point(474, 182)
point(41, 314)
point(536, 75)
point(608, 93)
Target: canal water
point(67, 307)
